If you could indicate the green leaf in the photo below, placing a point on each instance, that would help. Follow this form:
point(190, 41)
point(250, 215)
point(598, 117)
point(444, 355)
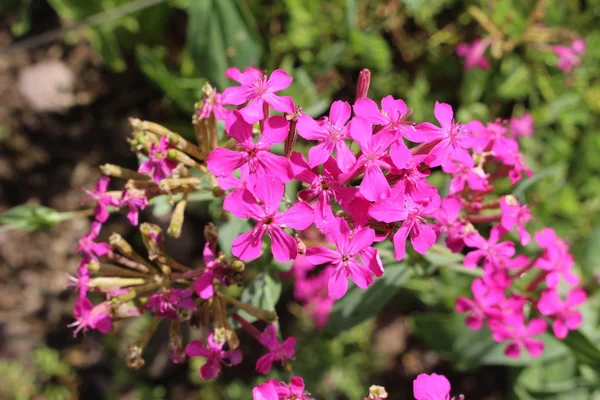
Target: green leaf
point(584, 350)
point(468, 349)
point(359, 304)
point(263, 292)
point(32, 218)
point(221, 34)
point(591, 258)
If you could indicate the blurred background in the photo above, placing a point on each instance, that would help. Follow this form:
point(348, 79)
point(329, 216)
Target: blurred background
point(73, 71)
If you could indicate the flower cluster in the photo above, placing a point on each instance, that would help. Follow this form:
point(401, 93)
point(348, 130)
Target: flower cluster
point(362, 178)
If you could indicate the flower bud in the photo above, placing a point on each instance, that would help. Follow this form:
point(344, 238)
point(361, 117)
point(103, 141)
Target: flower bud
point(364, 81)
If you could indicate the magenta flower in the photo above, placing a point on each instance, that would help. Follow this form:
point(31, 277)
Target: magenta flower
point(565, 318)
point(243, 204)
point(213, 268)
point(474, 53)
point(484, 304)
point(135, 200)
point(431, 387)
point(465, 172)
point(168, 304)
point(515, 214)
point(158, 165)
point(81, 282)
point(569, 57)
point(492, 253)
point(275, 390)
point(556, 260)
point(277, 351)
point(89, 249)
point(330, 135)
point(451, 138)
point(373, 158)
point(257, 156)
point(87, 316)
point(521, 126)
point(410, 174)
point(449, 223)
point(258, 90)
point(214, 354)
point(103, 200)
point(213, 104)
point(344, 258)
point(512, 327)
point(399, 207)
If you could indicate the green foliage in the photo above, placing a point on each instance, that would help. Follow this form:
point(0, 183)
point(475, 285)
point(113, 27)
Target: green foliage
point(263, 292)
point(32, 218)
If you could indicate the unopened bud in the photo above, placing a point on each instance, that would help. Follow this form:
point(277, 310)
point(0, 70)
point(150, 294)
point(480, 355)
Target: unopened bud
point(290, 140)
point(301, 245)
point(238, 265)
point(119, 172)
point(364, 81)
point(176, 349)
point(211, 234)
point(134, 356)
point(177, 218)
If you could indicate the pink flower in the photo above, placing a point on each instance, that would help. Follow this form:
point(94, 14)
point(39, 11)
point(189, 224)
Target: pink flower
point(81, 282)
point(256, 88)
point(213, 104)
point(449, 223)
point(373, 158)
point(349, 245)
point(168, 304)
point(90, 249)
point(515, 214)
point(243, 204)
point(87, 316)
point(204, 286)
point(565, 318)
point(521, 126)
point(451, 138)
point(512, 327)
point(214, 354)
point(569, 57)
point(257, 156)
point(494, 254)
point(103, 200)
point(465, 172)
point(158, 165)
point(556, 259)
point(330, 136)
point(277, 351)
point(474, 53)
point(431, 387)
point(484, 305)
point(399, 207)
point(134, 199)
point(274, 390)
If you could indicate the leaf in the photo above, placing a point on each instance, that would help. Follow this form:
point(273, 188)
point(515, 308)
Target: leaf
point(585, 351)
point(263, 292)
point(591, 258)
point(358, 305)
point(468, 349)
point(221, 34)
point(32, 218)
point(230, 230)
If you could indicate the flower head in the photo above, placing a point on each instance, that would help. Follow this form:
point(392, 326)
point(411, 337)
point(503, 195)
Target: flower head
point(562, 312)
point(431, 387)
point(214, 354)
point(103, 200)
point(278, 351)
point(87, 316)
point(89, 249)
point(157, 164)
point(168, 304)
point(474, 53)
point(136, 200)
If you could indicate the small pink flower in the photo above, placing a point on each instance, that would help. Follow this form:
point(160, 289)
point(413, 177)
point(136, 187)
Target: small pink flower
point(449, 223)
point(521, 126)
point(452, 138)
point(484, 304)
point(89, 249)
point(157, 164)
point(257, 156)
point(213, 269)
point(244, 204)
point(344, 258)
point(492, 253)
point(515, 214)
point(275, 390)
point(431, 387)
point(81, 282)
point(277, 351)
point(474, 53)
point(103, 200)
point(465, 172)
point(135, 200)
point(565, 318)
point(168, 304)
point(258, 90)
point(87, 316)
point(513, 328)
point(213, 104)
point(570, 57)
point(556, 259)
point(214, 354)
point(330, 135)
